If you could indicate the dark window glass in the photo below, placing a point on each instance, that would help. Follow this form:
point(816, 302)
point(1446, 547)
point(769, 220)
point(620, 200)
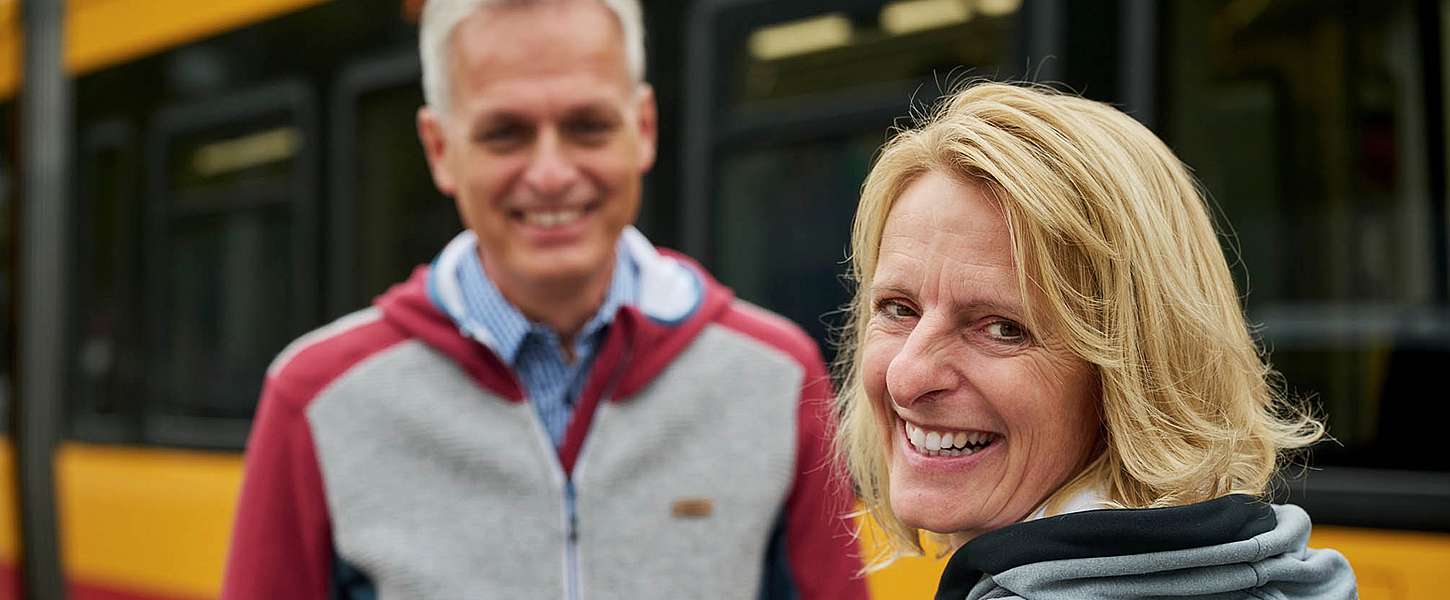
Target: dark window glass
point(106, 358)
point(228, 286)
point(233, 260)
point(1310, 125)
point(784, 224)
point(402, 220)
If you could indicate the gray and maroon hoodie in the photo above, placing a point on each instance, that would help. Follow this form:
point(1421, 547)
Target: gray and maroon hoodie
point(1230, 547)
point(393, 456)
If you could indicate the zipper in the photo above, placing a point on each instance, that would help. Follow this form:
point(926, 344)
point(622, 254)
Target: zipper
point(571, 543)
point(571, 508)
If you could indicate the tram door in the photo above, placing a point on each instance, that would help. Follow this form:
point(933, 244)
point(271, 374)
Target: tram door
point(788, 104)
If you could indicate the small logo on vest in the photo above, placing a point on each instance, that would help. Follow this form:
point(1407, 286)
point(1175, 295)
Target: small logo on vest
point(692, 508)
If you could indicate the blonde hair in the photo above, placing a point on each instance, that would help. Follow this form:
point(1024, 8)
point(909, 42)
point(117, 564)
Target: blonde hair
point(1114, 242)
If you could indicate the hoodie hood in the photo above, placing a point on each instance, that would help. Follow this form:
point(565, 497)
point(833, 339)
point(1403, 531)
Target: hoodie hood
point(677, 298)
point(1229, 547)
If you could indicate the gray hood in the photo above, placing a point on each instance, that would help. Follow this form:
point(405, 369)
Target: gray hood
point(1230, 547)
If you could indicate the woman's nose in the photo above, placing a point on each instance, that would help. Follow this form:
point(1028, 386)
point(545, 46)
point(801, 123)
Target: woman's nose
point(920, 370)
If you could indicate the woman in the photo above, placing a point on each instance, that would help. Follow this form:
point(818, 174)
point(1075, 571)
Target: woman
point(1045, 324)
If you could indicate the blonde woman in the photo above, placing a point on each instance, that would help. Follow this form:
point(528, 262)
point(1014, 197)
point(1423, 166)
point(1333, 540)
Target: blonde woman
point(1048, 366)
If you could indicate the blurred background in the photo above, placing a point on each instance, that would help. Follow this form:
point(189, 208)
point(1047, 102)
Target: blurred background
point(237, 172)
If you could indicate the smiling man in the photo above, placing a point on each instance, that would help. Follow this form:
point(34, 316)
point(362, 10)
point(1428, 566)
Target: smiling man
point(553, 408)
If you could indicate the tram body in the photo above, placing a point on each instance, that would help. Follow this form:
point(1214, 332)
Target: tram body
point(247, 170)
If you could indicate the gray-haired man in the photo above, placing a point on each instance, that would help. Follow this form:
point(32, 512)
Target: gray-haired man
point(554, 408)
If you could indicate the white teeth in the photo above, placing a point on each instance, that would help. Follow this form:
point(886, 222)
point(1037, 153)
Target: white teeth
point(552, 218)
point(948, 443)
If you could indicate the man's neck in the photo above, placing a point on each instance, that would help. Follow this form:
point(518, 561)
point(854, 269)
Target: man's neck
point(564, 306)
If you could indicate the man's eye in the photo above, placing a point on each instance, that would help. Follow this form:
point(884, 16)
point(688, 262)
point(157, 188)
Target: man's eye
point(590, 129)
point(502, 135)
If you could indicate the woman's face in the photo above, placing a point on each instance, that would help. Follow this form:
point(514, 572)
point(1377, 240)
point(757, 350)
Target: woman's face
point(987, 418)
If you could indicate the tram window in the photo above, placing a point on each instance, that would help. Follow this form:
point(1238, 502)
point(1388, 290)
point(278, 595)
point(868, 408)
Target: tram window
point(1306, 122)
point(402, 220)
point(891, 44)
point(105, 357)
point(228, 270)
point(234, 256)
point(784, 221)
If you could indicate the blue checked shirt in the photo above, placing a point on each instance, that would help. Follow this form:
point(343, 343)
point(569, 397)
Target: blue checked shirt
point(533, 350)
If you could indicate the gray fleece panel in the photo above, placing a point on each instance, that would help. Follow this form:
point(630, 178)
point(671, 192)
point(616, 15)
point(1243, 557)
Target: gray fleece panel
point(437, 488)
point(1275, 565)
point(720, 425)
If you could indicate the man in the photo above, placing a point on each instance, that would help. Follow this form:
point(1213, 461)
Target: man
point(553, 408)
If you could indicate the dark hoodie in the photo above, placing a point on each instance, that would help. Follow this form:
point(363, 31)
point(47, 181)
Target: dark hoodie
point(1229, 547)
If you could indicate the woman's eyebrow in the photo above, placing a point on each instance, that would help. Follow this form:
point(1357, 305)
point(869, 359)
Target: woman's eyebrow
point(891, 287)
point(1003, 308)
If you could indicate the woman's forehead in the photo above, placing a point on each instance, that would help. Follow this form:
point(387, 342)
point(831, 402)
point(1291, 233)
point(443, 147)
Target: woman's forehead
point(943, 219)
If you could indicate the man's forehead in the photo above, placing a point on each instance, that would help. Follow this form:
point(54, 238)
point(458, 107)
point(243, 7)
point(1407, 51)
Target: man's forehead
point(573, 46)
point(531, 34)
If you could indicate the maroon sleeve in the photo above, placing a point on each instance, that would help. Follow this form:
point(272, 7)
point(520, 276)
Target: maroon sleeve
point(824, 557)
point(281, 545)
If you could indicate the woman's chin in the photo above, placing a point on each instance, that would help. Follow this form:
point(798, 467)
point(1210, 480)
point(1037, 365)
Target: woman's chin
point(934, 519)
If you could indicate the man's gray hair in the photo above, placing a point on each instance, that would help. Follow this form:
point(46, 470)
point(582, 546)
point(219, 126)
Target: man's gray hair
point(441, 17)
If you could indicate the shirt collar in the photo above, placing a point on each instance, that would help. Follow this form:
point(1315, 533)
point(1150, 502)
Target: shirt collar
point(486, 308)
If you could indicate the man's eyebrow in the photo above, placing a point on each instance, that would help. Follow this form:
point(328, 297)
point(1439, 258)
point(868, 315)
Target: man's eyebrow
point(488, 119)
point(593, 109)
point(493, 116)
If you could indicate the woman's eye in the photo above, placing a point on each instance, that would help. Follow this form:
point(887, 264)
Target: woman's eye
point(895, 310)
point(1007, 331)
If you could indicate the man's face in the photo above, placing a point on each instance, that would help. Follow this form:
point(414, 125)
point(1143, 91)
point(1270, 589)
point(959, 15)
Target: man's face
point(545, 141)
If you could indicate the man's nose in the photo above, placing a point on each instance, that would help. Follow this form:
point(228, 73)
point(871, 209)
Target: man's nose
point(551, 169)
point(921, 370)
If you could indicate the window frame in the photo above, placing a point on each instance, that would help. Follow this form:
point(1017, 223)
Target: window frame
point(295, 98)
